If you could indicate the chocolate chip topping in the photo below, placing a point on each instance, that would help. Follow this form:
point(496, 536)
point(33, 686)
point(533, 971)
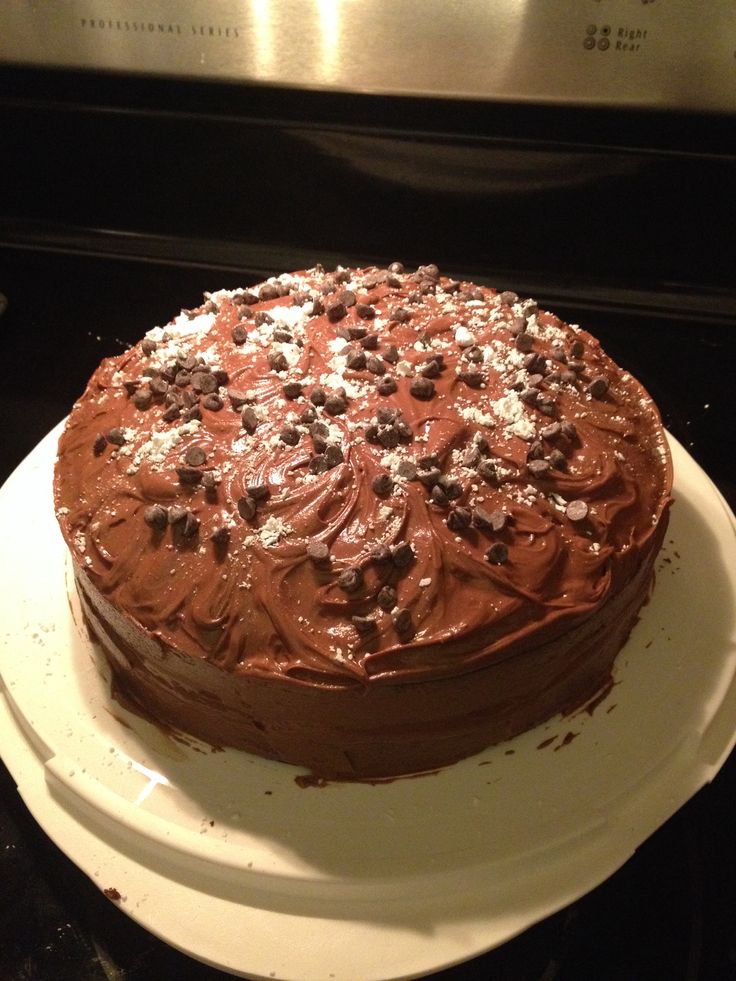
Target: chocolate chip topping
point(249, 419)
point(598, 387)
point(459, 519)
point(99, 444)
point(387, 598)
point(577, 510)
point(259, 492)
point(351, 579)
point(156, 517)
point(195, 456)
point(336, 404)
point(422, 388)
point(402, 555)
point(497, 554)
point(318, 552)
point(382, 484)
point(246, 507)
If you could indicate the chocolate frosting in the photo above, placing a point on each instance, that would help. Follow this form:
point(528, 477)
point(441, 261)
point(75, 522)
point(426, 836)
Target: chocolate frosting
point(217, 482)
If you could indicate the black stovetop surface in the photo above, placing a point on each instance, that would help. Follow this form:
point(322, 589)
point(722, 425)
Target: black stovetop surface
point(668, 915)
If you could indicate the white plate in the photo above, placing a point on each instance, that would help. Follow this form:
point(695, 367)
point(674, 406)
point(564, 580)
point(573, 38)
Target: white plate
point(227, 858)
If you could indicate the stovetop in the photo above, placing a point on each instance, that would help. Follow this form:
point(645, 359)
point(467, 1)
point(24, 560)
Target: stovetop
point(667, 915)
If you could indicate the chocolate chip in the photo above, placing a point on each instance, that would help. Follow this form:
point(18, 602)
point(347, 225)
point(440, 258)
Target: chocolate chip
point(249, 419)
point(558, 460)
point(473, 379)
point(99, 444)
point(116, 436)
point(473, 354)
point(189, 527)
point(508, 297)
point(350, 580)
point(429, 477)
point(318, 307)
point(499, 520)
point(268, 292)
point(529, 395)
point(193, 413)
point(318, 464)
point(290, 436)
point(333, 456)
point(213, 402)
point(195, 456)
point(379, 555)
point(148, 346)
point(459, 519)
point(386, 385)
point(551, 432)
point(171, 412)
point(535, 451)
point(497, 554)
point(282, 336)
point(176, 514)
point(246, 508)
point(355, 360)
point(237, 398)
point(143, 398)
point(452, 487)
point(558, 353)
point(402, 621)
point(402, 555)
point(524, 342)
point(400, 315)
point(430, 369)
point(222, 376)
point(388, 437)
point(471, 457)
point(382, 484)
point(375, 365)
point(569, 429)
point(318, 552)
point(391, 354)
point(336, 404)
point(209, 482)
point(577, 349)
point(221, 535)
point(365, 312)
point(397, 268)
point(364, 625)
point(536, 364)
point(482, 519)
point(293, 390)
point(336, 311)
point(598, 387)
point(369, 342)
point(386, 414)
point(538, 468)
point(277, 361)
point(487, 471)
point(239, 334)
point(156, 517)
point(577, 510)
point(189, 475)
point(406, 469)
point(438, 497)
point(386, 598)
point(204, 382)
point(404, 430)
point(259, 492)
point(422, 388)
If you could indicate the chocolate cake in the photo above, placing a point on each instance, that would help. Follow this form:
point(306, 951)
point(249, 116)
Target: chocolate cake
point(368, 521)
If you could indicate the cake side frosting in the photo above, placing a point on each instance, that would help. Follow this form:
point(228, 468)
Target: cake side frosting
point(360, 480)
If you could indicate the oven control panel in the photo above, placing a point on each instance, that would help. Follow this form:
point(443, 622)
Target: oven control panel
point(666, 54)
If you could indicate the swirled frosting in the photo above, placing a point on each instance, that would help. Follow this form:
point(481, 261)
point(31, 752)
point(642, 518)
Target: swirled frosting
point(357, 479)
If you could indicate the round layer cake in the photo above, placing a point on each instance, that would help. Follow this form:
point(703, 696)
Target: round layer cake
point(368, 521)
